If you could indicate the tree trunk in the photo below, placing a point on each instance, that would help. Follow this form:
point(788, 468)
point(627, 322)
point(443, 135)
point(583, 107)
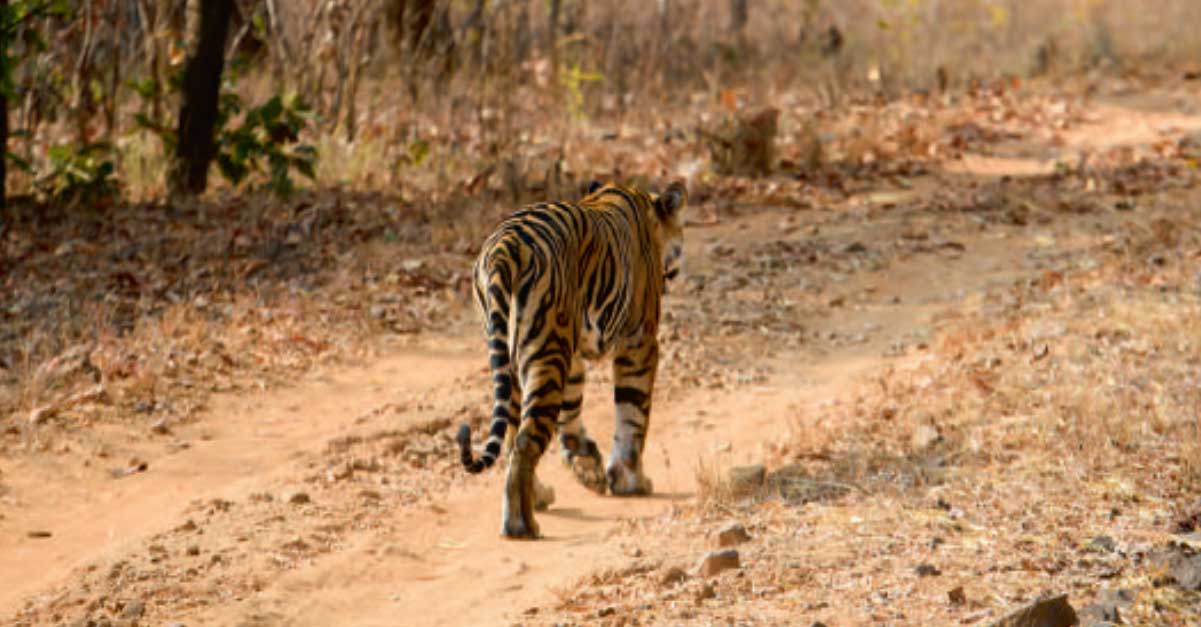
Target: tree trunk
point(522, 35)
point(195, 148)
point(739, 14)
point(552, 35)
point(4, 121)
point(421, 14)
point(664, 48)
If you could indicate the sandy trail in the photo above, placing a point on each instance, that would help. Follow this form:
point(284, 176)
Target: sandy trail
point(442, 562)
point(450, 550)
point(245, 443)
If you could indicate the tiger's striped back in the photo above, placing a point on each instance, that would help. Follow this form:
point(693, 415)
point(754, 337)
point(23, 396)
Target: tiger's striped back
point(557, 282)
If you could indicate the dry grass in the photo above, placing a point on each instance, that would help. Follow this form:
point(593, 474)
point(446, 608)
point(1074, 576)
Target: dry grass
point(1044, 415)
point(162, 309)
point(1006, 503)
point(1043, 442)
point(626, 71)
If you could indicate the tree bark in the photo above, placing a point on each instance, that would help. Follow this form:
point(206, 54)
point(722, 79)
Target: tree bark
point(739, 14)
point(195, 149)
point(552, 35)
point(421, 14)
point(664, 48)
point(4, 124)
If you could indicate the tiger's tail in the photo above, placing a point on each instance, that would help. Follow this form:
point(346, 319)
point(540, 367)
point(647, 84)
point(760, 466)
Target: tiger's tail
point(494, 281)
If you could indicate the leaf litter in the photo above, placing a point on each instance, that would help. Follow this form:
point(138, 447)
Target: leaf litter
point(1062, 405)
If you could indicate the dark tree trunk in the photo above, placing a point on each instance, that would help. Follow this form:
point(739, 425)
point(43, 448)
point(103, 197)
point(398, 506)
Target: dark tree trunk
point(739, 14)
point(552, 35)
point(4, 122)
point(195, 148)
point(422, 16)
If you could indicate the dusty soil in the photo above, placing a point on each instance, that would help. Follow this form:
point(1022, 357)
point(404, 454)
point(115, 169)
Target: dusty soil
point(337, 499)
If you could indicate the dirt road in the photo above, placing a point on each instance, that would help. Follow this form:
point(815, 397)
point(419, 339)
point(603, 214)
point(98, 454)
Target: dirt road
point(338, 500)
point(444, 545)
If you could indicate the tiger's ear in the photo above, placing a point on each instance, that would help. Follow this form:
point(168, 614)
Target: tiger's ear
point(593, 186)
point(671, 201)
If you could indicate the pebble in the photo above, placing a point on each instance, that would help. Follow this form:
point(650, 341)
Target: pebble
point(718, 561)
point(133, 609)
point(1049, 612)
point(927, 570)
point(732, 534)
point(672, 575)
point(924, 436)
point(1104, 544)
point(1182, 566)
point(299, 498)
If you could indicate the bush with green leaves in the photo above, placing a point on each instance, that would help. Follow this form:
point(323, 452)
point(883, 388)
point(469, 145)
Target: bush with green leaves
point(257, 143)
point(79, 175)
point(18, 43)
point(267, 141)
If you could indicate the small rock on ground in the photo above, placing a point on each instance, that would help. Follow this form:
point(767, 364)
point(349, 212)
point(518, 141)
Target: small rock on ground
point(672, 575)
point(1103, 544)
point(299, 498)
point(718, 561)
point(1107, 608)
point(924, 436)
point(1049, 612)
point(732, 534)
point(133, 609)
point(927, 570)
point(1183, 566)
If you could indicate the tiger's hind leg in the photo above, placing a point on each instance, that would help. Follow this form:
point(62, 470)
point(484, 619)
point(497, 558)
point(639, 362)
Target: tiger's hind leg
point(579, 451)
point(544, 495)
point(633, 382)
point(543, 385)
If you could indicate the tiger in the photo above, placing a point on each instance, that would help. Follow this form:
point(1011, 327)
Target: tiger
point(556, 284)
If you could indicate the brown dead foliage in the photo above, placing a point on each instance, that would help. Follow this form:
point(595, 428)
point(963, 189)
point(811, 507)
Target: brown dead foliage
point(744, 144)
point(159, 306)
point(1042, 440)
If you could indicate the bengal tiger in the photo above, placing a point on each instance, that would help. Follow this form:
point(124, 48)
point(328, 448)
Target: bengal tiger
point(558, 283)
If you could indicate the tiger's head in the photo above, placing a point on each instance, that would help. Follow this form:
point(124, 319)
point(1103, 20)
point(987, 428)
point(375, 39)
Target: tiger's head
point(665, 211)
point(668, 209)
